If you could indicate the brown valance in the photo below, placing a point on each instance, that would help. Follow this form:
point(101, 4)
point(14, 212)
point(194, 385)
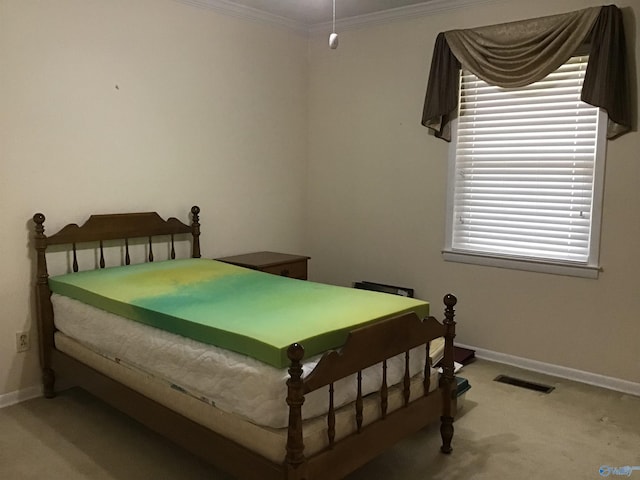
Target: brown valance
point(519, 53)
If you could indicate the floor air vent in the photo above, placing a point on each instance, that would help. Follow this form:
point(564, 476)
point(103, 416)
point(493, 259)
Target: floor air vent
point(538, 387)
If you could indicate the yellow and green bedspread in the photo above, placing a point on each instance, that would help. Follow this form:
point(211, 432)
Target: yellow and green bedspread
point(250, 312)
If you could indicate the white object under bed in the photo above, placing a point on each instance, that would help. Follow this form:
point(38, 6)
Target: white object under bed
point(232, 382)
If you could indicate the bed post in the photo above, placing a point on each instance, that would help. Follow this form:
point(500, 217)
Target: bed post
point(195, 231)
point(295, 460)
point(44, 310)
point(448, 380)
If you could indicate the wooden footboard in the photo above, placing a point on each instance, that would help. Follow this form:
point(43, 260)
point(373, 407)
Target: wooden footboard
point(367, 346)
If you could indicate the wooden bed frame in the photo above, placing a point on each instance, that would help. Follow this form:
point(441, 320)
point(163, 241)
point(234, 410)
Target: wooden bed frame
point(366, 346)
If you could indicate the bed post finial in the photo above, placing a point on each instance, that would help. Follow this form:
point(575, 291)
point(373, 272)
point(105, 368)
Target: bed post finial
point(450, 301)
point(294, 459)
point(44, 310)
point(448, 379)
point(195, 231)
point(39, 218)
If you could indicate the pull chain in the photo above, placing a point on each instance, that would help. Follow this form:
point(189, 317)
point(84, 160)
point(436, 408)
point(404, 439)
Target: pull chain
point(333, 38)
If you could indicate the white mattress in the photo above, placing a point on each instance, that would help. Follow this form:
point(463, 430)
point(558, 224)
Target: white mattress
point(232, 382)
point(268, 442)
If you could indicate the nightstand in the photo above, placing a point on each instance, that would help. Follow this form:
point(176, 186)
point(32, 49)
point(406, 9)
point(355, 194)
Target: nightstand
point(283, 264)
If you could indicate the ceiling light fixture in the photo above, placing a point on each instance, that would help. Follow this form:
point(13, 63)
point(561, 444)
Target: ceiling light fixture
point(333, 38)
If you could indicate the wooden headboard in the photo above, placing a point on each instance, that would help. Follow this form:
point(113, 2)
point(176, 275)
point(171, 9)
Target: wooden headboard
point(99, 228)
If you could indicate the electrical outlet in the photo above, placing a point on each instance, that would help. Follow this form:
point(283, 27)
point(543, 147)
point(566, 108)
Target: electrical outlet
point(22, 342)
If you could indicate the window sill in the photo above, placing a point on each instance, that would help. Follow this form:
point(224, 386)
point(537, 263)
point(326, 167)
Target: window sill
point(568, 269)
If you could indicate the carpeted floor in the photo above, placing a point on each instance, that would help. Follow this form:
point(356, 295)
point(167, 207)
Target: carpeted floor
point(503, 432)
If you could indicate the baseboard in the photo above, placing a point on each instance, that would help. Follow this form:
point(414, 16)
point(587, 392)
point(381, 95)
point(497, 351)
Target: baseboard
point(18, 396)
point(595, 379)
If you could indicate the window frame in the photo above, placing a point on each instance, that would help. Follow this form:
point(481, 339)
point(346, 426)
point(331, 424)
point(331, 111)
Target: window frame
point(589, 269)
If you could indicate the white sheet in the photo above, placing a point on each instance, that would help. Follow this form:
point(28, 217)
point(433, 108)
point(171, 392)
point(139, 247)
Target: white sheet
point(232, 382)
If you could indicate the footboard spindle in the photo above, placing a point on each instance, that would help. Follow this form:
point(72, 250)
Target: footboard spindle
point(359, 416)
point(406, 390)
point(384, 391)
point(331, 419)
point(427, 370)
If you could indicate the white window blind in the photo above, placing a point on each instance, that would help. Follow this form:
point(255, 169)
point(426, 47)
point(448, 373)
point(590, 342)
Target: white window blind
point(525, 162)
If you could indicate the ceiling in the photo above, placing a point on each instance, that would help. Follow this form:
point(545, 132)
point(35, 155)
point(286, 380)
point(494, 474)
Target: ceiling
point(313, 12)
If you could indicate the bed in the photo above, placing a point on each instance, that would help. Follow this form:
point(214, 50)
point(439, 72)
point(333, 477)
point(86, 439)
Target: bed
point(319, 432)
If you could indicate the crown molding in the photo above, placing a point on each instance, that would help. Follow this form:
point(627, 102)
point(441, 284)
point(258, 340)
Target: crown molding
point(248, 13)
point(430, 7)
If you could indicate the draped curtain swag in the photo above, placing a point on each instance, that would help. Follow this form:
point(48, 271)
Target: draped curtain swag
point(519, 53)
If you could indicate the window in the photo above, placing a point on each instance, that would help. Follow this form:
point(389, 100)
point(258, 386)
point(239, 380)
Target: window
point(525, 183)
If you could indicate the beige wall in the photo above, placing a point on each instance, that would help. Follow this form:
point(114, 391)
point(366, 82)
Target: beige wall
point(377, 200)
point(137, 105)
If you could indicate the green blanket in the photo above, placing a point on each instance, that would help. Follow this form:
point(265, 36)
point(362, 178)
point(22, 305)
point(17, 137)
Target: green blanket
point(250, 312)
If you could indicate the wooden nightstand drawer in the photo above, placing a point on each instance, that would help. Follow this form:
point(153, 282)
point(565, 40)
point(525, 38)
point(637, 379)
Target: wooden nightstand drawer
point(293, 269)
point(283, 264)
